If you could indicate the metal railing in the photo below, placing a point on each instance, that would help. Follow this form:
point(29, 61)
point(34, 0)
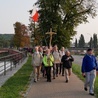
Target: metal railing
point(10, 61)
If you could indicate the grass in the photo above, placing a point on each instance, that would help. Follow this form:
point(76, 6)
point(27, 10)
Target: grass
point(17, 84)
point(77, 70)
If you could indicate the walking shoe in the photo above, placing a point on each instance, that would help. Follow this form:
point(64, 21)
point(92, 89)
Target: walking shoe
point(92, 94)
point(85, 88)
point(49, 80)
point(35, 81)
point(66, 81)
point(53, 77)
point(38, 79)
point(62, 74)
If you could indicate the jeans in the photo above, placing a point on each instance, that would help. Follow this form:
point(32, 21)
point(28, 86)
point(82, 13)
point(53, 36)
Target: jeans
point(90, 80)
point(55, 69)
point(61, 69)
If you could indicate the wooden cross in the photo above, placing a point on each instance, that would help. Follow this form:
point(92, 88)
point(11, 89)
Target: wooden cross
point(51, 34)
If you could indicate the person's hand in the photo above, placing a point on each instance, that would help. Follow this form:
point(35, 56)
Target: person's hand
point(61, 62)
point(68, 58)
point(83, 74)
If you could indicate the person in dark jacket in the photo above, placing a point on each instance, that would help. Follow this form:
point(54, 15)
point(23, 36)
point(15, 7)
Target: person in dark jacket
point(67, 60)
point(89, 65)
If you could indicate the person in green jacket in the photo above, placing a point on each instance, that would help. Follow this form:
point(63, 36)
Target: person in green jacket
point(48, 63)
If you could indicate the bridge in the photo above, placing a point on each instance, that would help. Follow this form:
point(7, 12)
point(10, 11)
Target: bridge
point(81, 49)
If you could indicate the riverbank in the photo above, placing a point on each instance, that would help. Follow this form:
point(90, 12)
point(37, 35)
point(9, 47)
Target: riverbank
point(17, 84)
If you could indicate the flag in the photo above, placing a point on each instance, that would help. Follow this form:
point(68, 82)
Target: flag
point(35, 15)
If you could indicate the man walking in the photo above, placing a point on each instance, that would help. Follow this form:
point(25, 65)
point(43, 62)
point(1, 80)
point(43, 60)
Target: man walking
point(56, 56)
point(62, 53)
point(89, 65)
point(67, 60)
point(36, 62)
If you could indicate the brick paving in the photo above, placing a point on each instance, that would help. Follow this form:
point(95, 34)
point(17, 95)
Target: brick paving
point(58, 88)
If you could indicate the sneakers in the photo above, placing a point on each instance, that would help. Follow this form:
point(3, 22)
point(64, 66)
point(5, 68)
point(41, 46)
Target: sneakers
point(35, 81)
point(92, 94)
point(66, 81)
point(48, 80)
point(57, 75)
point(85, 88)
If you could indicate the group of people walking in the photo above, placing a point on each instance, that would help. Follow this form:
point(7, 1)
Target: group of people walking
point(45, 59)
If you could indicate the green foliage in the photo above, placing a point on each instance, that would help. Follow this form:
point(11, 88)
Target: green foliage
point(63, 16)
point(81, 41)
point(96, 86)
point(36, 36)
point(6, 36)
point(76, 43)
point(91, 42)
point(18, 35)
point(21, 38)
point(14, 86)
point(77, 70)
point(94, 40)
point(6, 40)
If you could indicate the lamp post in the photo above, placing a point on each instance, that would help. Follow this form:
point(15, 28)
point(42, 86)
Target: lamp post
point(51, 34)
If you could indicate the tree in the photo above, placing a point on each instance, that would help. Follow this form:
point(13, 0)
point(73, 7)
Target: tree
point(5, 40)
point(63, 16)
point(76, 43)
point(25, 39)
point(21, 38)
point(36, 36)
point(91, 43)
point(95, 40)
point(81, 41)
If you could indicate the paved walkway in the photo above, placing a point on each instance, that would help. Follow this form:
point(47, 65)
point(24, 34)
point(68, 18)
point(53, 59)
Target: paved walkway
point(58, 89)
point(4, 78)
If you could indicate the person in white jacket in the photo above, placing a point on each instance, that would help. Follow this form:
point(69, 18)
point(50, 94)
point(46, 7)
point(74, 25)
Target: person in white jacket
point(36, 62)
point(56, 56)
point(62, 53)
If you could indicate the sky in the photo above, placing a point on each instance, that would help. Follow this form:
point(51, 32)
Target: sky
point(17, 10)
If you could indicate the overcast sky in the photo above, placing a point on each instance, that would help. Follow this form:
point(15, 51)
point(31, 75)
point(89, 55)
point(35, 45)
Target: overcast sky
point(17, 10)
